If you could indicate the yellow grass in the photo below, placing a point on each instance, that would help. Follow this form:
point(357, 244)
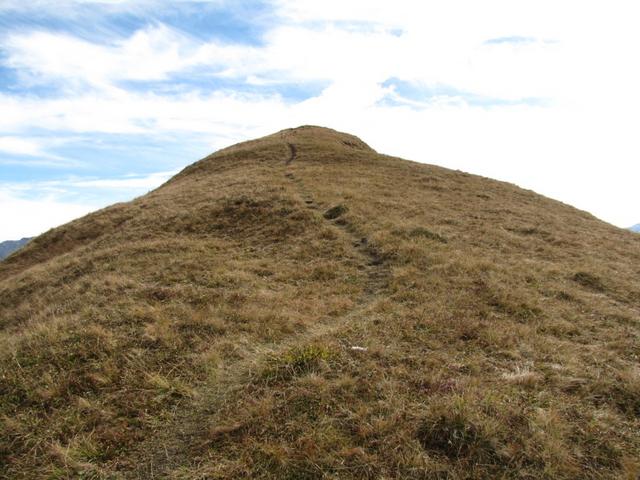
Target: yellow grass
point(302, 307)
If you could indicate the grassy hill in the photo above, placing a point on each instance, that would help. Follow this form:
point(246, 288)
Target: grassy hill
point(301, 307)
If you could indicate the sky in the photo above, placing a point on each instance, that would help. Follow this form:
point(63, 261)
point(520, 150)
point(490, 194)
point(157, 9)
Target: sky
point(104, 100)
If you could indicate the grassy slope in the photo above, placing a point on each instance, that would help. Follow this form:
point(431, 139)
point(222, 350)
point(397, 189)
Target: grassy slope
point(207, 330)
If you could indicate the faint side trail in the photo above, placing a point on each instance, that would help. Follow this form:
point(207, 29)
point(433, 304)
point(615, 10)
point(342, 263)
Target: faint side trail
point(189, 426)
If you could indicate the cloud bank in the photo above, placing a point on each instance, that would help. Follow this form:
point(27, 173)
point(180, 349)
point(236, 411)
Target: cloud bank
point(537, 93)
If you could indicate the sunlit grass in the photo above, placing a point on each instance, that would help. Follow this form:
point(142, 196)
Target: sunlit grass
point(362, 317)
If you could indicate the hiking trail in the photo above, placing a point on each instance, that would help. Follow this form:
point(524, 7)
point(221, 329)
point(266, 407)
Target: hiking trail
point(188, 429)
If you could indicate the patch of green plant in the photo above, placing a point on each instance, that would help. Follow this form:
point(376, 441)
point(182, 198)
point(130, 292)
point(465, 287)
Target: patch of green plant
point(454, 435)
point(295, 362)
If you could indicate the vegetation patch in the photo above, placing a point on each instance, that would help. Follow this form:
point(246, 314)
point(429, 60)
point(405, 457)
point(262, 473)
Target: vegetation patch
point(454, 435)
point(621, 391)
point(513, 303)
point(419, 232)
point(565, 296)
point(296, 362)
point(335, 212)
point(589, 280)
point(425, 233)
point(529, 231)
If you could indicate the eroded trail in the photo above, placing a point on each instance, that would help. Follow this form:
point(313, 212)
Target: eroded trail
point(293, 153)
point(189, 427)
point(374, 268)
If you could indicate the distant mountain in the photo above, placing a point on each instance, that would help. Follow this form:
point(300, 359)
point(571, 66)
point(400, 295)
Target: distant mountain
point(10, 246)
point(635, 228)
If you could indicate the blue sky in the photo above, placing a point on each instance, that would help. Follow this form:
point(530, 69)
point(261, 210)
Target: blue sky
point(102, 101)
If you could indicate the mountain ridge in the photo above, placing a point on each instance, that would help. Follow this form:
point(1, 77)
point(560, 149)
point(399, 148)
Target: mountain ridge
point(299, 306)
point(7, 247)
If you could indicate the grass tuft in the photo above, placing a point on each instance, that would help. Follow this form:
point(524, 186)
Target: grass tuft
point(296, 362)
point(335, 212)
point(455, 435)
point(589, 280)
point(425, 233)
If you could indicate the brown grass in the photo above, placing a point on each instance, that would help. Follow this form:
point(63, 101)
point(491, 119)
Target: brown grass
point(342, 315)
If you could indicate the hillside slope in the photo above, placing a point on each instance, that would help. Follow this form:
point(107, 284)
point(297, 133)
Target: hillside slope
point(302, 307)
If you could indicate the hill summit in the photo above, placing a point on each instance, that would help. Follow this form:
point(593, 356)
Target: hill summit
point(302, 307)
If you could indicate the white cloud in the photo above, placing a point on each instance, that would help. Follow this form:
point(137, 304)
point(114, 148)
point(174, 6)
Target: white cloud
point(579, 147)
point(20, 146)
point(149, 54)
point(26, 151)
point(31, 208)
point(61, 188)
point(25, 218)
point(65, 7)
point(134, 113)
point(135, 182)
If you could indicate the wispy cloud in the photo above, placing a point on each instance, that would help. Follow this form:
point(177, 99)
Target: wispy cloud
point(135, 182)
point(53, 6)
point(67, 187)
point(421, 96)
point(515, 39)
point(150, 54)
point(20, 217)
point(20, 146)
point(29, 152)
point(30, 208)
point(156, 84)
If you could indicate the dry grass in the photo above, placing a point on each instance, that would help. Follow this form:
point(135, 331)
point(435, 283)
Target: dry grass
point(345, 315)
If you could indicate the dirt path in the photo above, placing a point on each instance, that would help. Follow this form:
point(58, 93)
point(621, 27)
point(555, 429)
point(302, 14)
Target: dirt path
point(293, 153)
point(376, 271)
point(189, 426)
